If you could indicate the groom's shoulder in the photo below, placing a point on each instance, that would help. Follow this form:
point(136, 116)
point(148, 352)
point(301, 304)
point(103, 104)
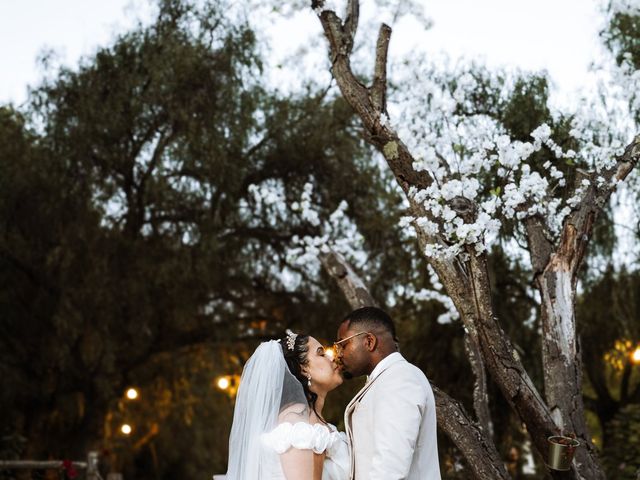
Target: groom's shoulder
point(406, 368)
point(406, 379)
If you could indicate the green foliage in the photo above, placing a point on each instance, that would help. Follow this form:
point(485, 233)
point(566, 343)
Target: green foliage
point(607, 323)
point(622, 37)
point(622, 449)
point(526, 107)
point(127, 236)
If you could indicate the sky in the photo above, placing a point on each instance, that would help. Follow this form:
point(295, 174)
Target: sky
point(70, 27)
point(559, 36)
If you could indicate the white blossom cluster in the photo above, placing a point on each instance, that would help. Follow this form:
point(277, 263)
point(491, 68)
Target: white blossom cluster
point(471, 159)
point(437, 293)
point(305, 208)
point(269, 206)
point(269, 203)
point(337, 233)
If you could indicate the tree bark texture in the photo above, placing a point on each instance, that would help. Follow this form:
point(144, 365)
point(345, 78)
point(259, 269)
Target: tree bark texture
point(480, 392)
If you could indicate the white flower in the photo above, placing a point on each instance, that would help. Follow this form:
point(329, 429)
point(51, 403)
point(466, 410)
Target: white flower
point(491, 205)
point(555, 173)
point(524, 150)
point(429, 227)
point(503, 141)
point(448, 214)
point(451, 189)
point(405, 221)
point(542, 133)
point(470, 187)
point(385, 121)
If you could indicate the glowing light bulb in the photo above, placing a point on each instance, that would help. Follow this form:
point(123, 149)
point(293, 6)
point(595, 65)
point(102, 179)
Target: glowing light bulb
point(223, 383)
point(635, 356)
point(132, 394)
point(126, 429)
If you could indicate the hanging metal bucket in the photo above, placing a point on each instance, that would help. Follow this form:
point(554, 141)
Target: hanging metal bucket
point(561, 451)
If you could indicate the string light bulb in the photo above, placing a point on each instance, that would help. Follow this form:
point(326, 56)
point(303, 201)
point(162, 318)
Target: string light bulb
point(223, 383)
point(635, 355)
point(126, 429)
point(132, 394)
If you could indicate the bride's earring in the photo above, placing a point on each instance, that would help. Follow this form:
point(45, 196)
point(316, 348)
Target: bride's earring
point(309, 381)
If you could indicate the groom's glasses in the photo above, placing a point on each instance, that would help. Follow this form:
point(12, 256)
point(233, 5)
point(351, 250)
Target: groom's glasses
point(339, 345)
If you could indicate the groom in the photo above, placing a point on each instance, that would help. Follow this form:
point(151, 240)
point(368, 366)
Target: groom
point(391, 422)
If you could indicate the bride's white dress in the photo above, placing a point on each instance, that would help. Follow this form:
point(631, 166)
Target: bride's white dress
point(319, 438)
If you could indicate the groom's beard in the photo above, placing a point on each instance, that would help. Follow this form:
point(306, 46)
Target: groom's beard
point(347, 375)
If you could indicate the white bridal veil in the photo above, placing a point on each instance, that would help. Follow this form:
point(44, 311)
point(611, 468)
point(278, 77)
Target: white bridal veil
point(268, 395)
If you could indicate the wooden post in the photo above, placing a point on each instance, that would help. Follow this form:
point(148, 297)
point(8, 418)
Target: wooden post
point(92, 466)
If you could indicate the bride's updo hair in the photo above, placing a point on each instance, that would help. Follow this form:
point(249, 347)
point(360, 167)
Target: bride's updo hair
point(295, 348)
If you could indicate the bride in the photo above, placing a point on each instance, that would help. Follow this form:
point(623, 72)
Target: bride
point(278, 431)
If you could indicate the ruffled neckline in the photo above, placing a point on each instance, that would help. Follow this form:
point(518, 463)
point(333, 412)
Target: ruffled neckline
point(301, 435)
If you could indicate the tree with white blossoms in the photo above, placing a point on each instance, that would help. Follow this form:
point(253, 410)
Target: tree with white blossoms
point(469, 178)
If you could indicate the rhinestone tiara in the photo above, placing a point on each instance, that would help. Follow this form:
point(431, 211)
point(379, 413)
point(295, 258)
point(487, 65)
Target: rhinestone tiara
point(291, 339)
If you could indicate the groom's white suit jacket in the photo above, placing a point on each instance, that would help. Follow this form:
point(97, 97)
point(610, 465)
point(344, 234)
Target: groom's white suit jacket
point(391, 425)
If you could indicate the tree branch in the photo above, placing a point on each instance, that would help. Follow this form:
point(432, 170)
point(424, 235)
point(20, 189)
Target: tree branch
point(352, 286)
point(351, 24)
point(540, 244)
point(624, 383)
point(478, 450)
point(357, 95)
point(480, 392)
point(379, 87)
point(579, 224)
point(163, 141)
point(635, 396)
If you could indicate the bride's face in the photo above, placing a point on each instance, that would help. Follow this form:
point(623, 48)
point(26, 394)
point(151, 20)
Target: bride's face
point(325, 373)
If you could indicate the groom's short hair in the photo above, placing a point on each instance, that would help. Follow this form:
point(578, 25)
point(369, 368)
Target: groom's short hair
point(371, 318)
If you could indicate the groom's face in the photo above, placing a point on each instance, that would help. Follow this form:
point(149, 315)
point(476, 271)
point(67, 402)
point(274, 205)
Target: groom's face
point(352, 353)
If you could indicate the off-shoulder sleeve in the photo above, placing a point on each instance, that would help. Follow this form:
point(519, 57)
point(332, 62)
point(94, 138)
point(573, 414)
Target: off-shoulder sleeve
point(302, 436)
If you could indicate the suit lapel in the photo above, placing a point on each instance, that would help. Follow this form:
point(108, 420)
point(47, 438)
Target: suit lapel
point(348, 413)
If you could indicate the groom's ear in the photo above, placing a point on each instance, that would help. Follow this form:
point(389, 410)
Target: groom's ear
point(371, 342)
